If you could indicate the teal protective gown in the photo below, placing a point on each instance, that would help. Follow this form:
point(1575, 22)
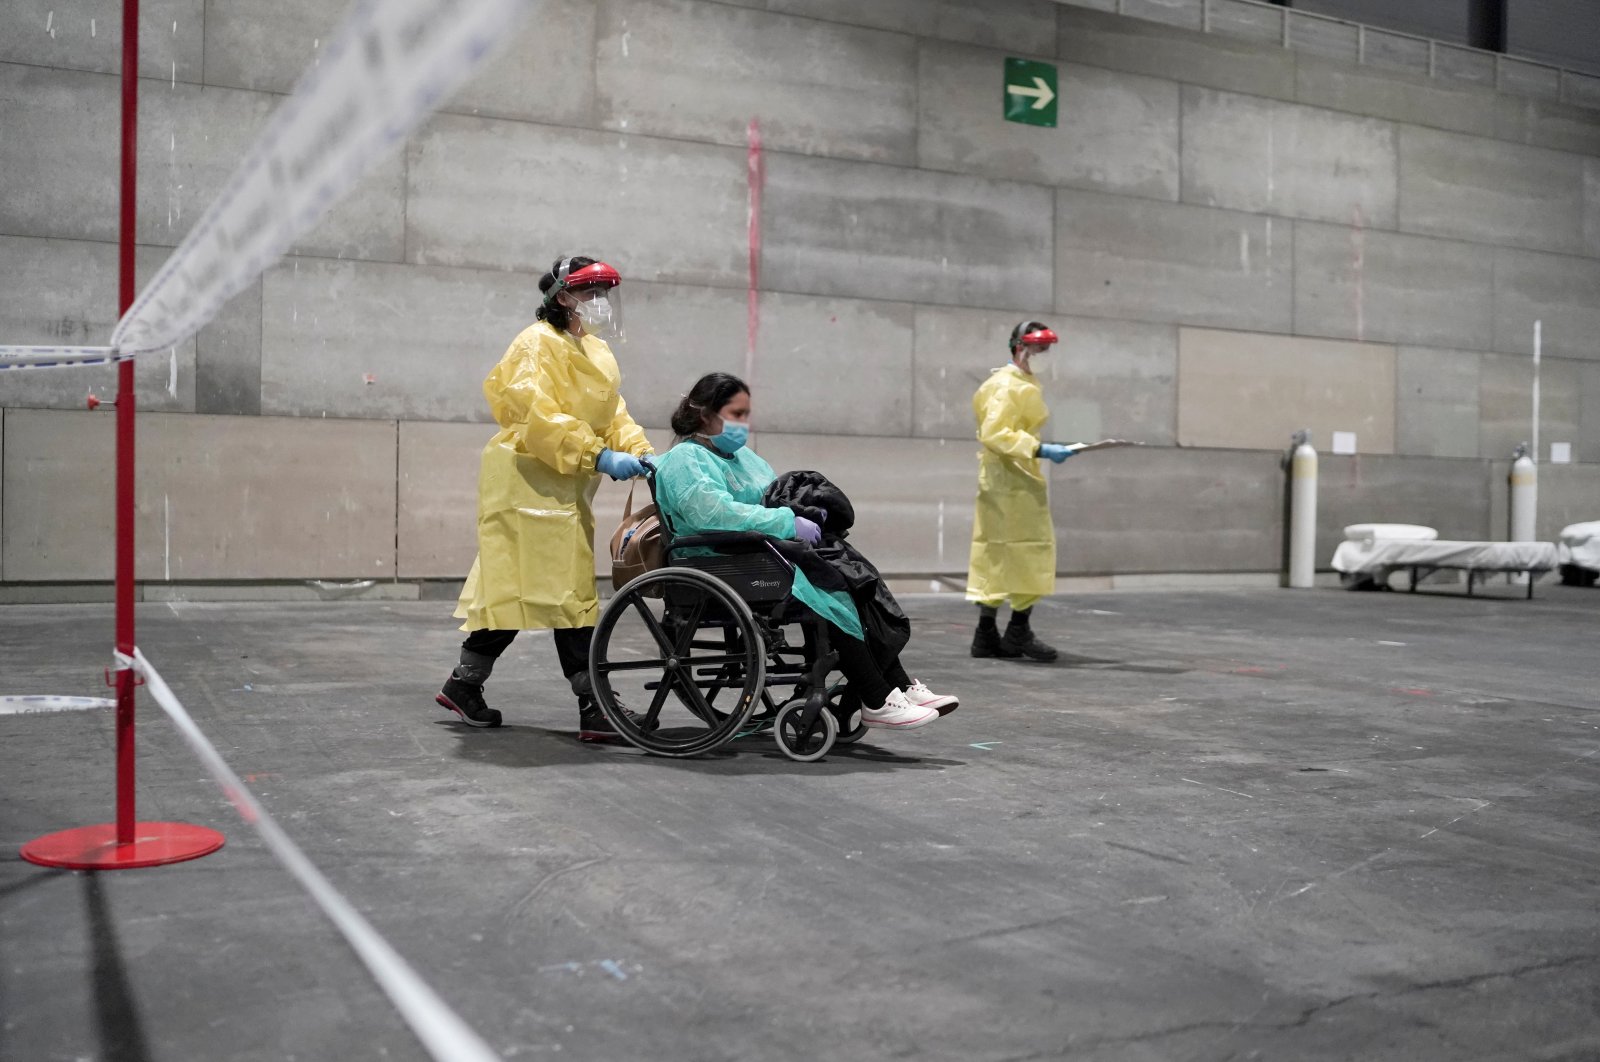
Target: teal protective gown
point(699, 490)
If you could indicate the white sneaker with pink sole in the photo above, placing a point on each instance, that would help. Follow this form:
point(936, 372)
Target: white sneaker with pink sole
point(898, 713)
point(923, 697)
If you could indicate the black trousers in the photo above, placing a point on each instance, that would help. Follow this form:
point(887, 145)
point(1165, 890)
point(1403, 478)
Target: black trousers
point(871, 678)
point(572, 646)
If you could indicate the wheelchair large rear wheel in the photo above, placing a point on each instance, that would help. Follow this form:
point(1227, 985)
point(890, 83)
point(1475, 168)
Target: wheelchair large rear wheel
point(677, 662)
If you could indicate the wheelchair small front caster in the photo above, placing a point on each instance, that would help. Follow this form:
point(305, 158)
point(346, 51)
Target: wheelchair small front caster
point(805, 747)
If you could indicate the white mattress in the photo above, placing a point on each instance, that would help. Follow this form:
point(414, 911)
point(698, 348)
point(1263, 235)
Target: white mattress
point(1580, 545)
point(1369, 532)
point(1381, 556)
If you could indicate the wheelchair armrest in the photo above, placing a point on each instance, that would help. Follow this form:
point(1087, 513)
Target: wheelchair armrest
point(723, 541)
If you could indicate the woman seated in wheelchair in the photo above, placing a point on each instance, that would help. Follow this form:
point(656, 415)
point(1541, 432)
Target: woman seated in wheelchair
point(710, 481)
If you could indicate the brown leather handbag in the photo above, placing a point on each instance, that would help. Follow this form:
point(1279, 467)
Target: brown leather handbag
point(639, 544)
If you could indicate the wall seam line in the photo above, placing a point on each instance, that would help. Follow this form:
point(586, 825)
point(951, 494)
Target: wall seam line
point(396, 567)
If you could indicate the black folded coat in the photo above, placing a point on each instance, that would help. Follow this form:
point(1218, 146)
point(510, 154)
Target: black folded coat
point(812, 495)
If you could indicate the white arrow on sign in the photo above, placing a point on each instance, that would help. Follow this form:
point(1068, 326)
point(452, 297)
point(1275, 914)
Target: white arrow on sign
point(1041, 92)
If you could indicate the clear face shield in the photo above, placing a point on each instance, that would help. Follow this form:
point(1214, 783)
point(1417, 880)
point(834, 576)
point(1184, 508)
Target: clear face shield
point(600, 310)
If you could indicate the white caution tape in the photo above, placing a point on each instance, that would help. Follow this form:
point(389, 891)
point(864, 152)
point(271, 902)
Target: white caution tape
point(390, 65)
point(441, 1030)
point(57, 357)
point(46, 703)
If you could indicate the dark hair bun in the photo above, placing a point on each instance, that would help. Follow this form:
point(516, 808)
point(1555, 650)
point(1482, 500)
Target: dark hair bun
point(686, 419)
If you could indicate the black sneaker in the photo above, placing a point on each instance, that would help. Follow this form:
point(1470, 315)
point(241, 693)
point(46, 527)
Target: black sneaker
point(1020, 641)
point(466, 700)
point(987, 642)
point(594, 726)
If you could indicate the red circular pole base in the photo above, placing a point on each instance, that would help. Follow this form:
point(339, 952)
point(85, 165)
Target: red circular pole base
point(154, 844)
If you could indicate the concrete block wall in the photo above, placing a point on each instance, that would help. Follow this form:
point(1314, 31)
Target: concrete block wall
point(1236, 240)
point(219, 497)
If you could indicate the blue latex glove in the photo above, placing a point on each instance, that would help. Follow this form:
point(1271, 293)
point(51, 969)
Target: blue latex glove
point(1054, 451)
point(806, 531)
point(619, 465)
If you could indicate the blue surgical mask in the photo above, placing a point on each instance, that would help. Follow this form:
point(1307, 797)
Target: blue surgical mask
point(732, 437)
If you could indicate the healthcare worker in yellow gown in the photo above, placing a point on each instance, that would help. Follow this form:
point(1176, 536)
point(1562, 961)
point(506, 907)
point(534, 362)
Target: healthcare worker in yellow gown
point(1013, 539)
point(562, 424)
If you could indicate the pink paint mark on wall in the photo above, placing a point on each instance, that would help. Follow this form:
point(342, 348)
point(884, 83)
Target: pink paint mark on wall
point(1358, 254)
point(756, 178)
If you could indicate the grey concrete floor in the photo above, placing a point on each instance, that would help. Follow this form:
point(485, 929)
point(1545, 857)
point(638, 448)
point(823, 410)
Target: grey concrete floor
point(1226, 825)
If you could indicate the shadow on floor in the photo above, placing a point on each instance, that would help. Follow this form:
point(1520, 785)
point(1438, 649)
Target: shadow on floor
point(117, 1019)
point(519, 745)
point(1095, 663)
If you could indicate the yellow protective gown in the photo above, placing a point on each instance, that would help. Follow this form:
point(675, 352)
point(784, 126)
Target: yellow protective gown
point(1013, 538)
point(555, 399)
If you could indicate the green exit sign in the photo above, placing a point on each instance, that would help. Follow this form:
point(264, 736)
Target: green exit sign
point(1030, 92)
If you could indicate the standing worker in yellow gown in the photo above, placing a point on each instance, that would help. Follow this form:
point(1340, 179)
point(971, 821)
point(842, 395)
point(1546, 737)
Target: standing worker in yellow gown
point(562, 424)
point(1013, 538)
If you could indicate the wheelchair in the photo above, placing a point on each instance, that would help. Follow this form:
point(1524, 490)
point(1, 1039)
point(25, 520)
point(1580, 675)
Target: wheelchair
point(697, 648)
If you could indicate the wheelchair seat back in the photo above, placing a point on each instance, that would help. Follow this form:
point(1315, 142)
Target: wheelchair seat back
point(745, 560)
point(761, 577)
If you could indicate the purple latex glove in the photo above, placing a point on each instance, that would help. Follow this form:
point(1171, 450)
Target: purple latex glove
point(806, 531)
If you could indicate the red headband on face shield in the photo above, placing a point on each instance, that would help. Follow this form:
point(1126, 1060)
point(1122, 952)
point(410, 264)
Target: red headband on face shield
point(596, 274)
point(1041, 337)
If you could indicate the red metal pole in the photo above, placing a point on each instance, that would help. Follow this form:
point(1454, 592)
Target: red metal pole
point(129, 844)
point(125, 435)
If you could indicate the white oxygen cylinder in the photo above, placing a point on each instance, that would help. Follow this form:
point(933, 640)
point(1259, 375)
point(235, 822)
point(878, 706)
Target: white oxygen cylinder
point(1302, 513)
point(1524, 497)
